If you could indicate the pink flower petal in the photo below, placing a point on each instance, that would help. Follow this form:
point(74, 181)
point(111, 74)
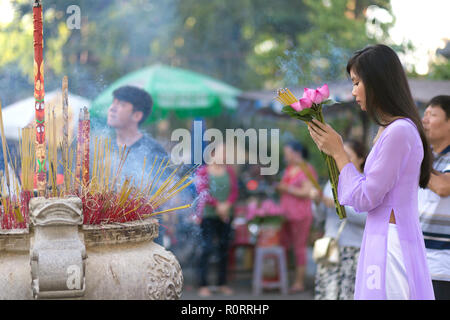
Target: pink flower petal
point(309, 93)
point(324, 91)
point(318, 98)
point(305, 103)
point(296, 106)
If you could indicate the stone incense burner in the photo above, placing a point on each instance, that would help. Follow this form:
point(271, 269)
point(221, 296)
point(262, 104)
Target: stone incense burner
point(58, 257)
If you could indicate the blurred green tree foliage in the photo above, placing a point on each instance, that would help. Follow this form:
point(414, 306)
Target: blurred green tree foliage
point(250, 44)
point(440, 68)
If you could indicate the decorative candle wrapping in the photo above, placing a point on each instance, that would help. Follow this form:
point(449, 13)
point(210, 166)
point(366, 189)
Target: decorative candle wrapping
point(39, 98)
point(86, 129)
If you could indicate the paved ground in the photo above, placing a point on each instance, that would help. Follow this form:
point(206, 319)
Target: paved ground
point(241, 283)
point(241, 286)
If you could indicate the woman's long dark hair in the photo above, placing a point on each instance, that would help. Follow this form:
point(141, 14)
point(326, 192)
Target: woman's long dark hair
point(388, 92)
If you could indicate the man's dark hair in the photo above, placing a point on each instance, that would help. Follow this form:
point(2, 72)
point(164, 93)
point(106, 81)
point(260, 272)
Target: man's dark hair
point(443, 102)
point(140, 99)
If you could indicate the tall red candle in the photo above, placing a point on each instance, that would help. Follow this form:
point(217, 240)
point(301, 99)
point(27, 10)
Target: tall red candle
point(39, 98)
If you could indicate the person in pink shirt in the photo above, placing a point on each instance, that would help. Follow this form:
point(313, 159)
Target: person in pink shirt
point(392, 262)
point(296, 190)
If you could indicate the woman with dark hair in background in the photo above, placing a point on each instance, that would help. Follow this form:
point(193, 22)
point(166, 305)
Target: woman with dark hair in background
point(337, 281)
point(217, 188)
point(296, 190)
point(392, 262)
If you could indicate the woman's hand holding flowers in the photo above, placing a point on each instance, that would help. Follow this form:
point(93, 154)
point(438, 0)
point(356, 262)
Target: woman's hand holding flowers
point(329, 142)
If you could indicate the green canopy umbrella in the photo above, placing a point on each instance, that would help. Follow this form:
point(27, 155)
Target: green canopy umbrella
point(186, 93)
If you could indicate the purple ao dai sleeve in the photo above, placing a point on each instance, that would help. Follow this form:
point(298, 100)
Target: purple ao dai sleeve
point(365, 192)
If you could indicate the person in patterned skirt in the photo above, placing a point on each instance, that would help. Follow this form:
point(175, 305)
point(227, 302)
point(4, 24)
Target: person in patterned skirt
point(337, 281)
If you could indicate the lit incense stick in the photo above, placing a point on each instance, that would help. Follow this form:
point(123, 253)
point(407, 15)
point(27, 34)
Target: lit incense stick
point(65, 137)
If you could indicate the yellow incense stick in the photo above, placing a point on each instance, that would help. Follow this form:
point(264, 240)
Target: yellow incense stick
point(286, 97)
point(168, 210)
point(162, 172)
point(290, 95)
point(176, 186)
point(310, 176)
point(54, 159)
point(176, 192)
point(164, 184)
point(154, 177)
point(65, 141)
point(121, 163)
point(108, 163)
point(143, 173)
point(173, 190)
point(147, 187)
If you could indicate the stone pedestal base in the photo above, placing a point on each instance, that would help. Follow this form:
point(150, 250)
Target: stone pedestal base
point(132, 271)
point(122, 263)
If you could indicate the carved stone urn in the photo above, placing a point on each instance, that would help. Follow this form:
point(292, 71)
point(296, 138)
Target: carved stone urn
point(59, 257)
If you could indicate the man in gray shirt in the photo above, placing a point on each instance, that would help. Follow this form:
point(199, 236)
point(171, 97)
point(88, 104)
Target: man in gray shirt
point(434, 201)
point(130, 108)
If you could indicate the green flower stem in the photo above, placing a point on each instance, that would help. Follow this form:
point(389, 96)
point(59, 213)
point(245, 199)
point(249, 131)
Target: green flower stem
point(307, 115)
point(333, 172)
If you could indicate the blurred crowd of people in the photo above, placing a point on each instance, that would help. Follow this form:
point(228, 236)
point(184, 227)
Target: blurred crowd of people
point(305, 207)
point(303, 204)
point(220, 188)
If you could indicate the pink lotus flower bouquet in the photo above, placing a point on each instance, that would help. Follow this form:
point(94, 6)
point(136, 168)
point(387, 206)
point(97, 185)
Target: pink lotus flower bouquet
point(307, 108)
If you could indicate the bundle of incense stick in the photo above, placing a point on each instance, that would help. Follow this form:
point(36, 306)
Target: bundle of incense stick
point(15, 198)
point(105, 202)
point(82, 152)
point(7, 219)
point(285, 97)
point(27, 156)
point(12, 211)
point(52, 151)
